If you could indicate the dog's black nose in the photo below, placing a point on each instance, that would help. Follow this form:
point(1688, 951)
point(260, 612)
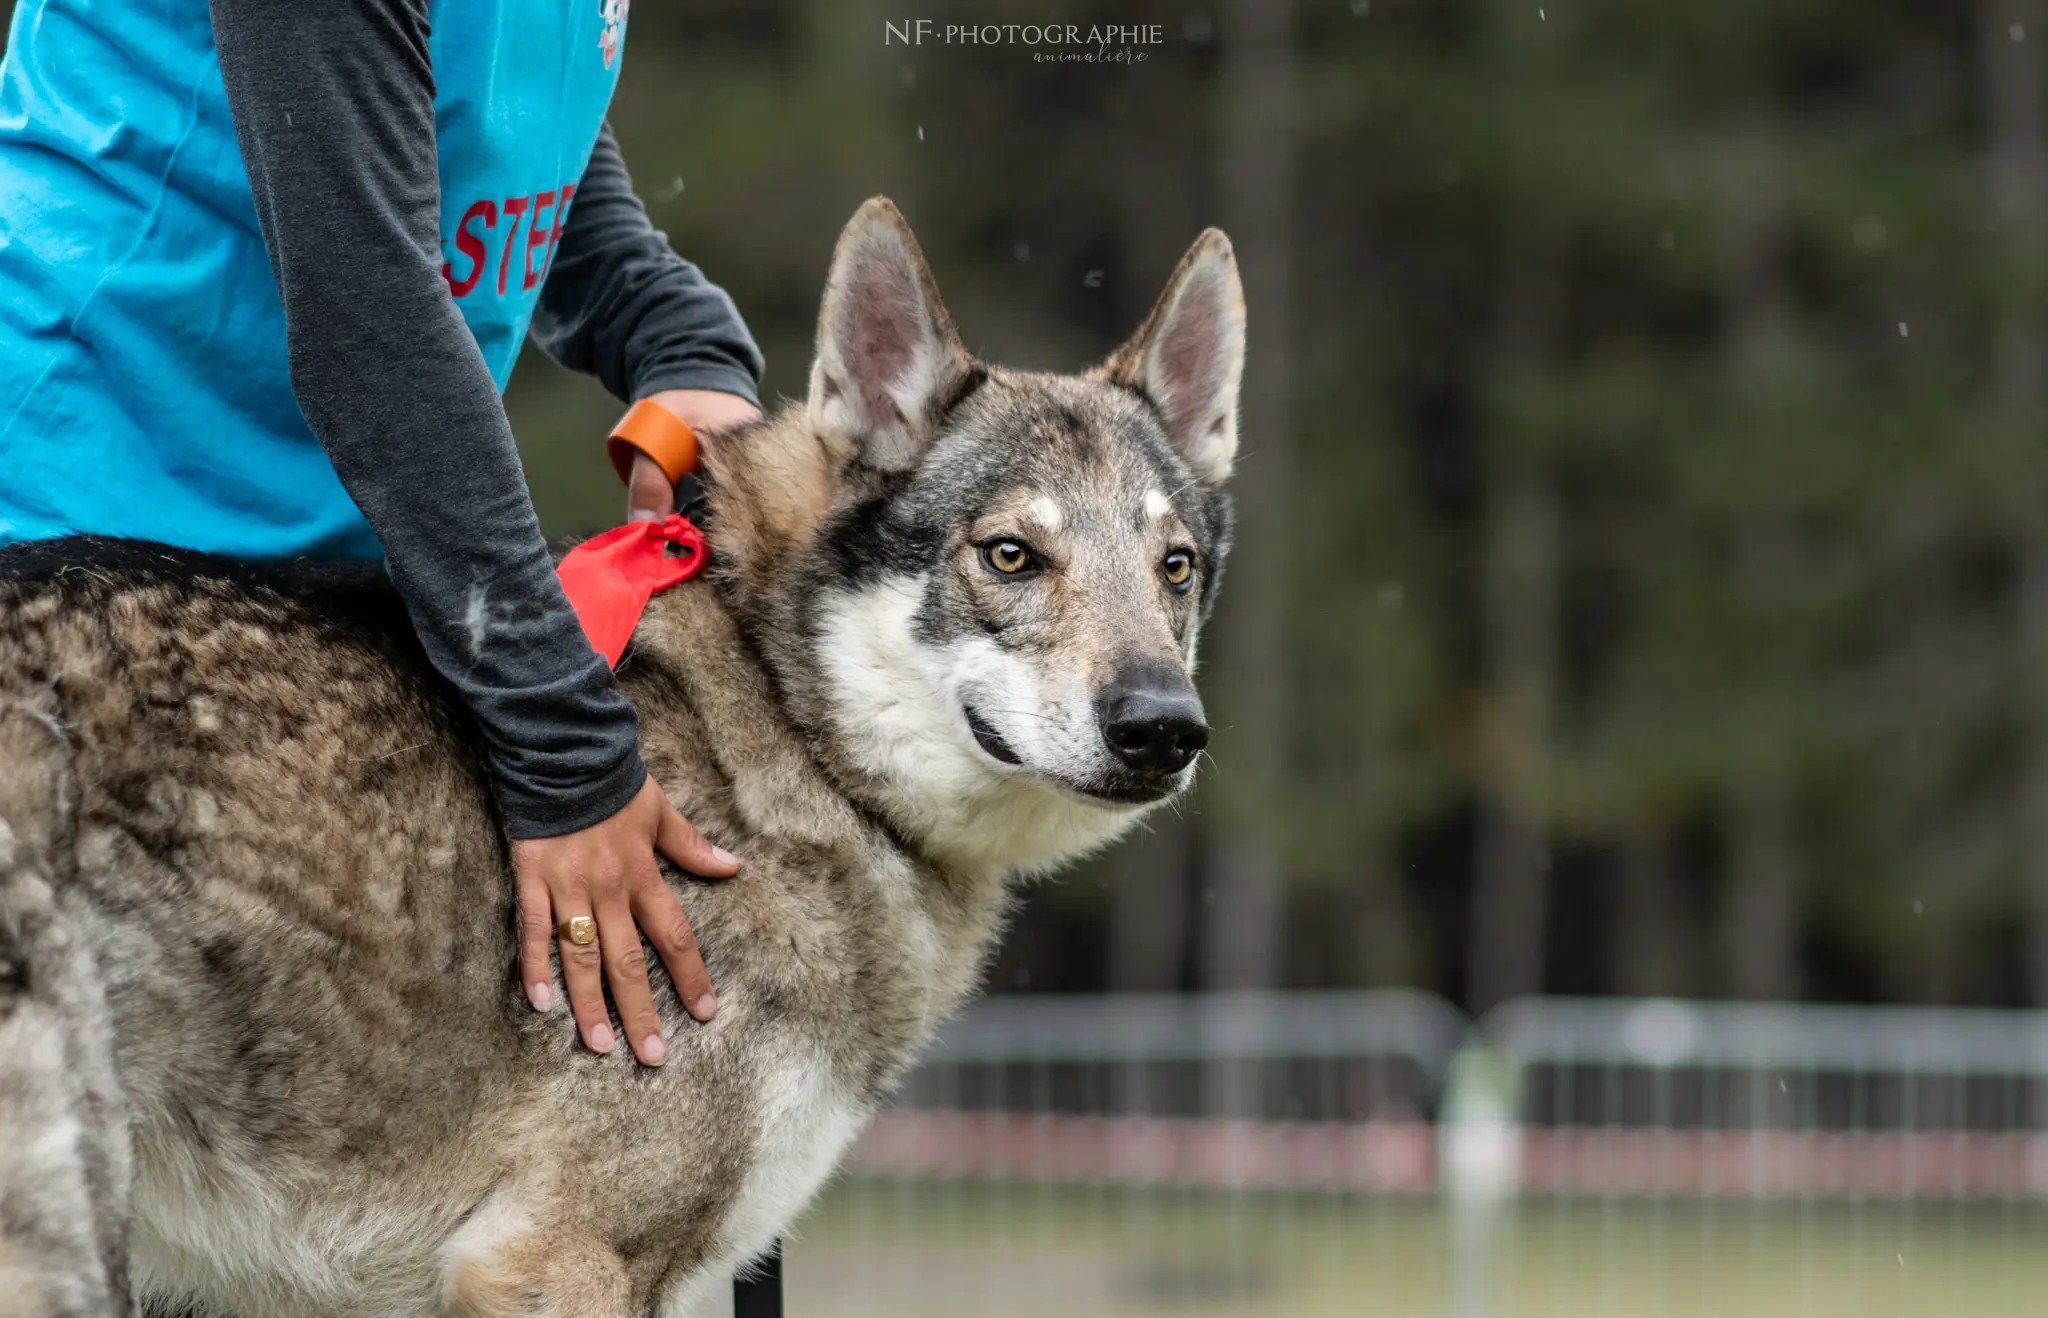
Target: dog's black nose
point(1155, 731)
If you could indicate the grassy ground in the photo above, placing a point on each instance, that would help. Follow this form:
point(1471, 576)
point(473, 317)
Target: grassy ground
point(913, 1251)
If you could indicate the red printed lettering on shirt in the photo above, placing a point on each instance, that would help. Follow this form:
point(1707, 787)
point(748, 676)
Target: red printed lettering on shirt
point(536, 237)
point(516, 208)
point(472, 246)
point(555, 231)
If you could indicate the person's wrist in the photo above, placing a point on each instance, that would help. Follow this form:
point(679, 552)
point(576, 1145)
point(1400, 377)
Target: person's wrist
point(532, 812)
point(707, 411)
point(651, 459)
point(652, 431)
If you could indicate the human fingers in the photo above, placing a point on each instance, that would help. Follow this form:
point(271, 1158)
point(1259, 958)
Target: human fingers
point(536, 936)
point(684, 845)
point(649, 496)
point(583, 965)
point(662, 920)
point(625, 971)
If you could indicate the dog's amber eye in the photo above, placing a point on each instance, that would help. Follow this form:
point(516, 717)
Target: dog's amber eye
point(1007, 557)
point(1179, 569)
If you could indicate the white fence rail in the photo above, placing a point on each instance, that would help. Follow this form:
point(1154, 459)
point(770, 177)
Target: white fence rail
point(1327, 1091)
point(1352, 1154)
point(1775, 1100)
point(1359, 1091)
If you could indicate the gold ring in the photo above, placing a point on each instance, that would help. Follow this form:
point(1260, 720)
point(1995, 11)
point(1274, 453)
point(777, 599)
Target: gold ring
point(582, 931)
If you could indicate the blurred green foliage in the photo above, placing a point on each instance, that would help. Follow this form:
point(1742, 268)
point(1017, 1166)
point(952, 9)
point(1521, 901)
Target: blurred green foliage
point(1730, 286)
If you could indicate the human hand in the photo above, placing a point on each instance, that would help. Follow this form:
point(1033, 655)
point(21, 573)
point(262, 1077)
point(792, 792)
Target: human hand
point(607, 872)
point(649, 496)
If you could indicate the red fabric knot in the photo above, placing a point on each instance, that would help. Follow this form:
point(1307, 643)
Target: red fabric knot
point(610, 577)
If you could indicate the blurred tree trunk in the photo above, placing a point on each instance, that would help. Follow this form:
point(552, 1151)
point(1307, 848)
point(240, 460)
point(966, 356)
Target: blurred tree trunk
point(1242, 933)
point(1519, 585)
point(1245, 911)
point(2018, 169)
point(1651, 942)
point(1760, 905)
point(1148, 923)
point(1380, 916)
point(1760, 917)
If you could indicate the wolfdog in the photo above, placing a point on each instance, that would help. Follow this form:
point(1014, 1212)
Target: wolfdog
point(263, 1049)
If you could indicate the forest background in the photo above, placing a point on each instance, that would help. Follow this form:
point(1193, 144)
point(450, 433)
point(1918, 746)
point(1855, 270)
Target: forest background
point(1642, 584)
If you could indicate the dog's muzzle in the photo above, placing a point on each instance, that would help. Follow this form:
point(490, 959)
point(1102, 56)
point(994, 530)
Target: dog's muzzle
point(1155, 730)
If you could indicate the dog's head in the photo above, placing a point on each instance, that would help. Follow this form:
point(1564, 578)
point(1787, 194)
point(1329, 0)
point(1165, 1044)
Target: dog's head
point(988, 584)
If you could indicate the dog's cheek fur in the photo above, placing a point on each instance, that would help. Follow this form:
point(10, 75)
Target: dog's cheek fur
point(895, 704)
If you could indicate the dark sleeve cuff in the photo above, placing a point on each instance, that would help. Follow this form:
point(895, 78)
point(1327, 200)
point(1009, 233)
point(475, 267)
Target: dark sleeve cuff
point(725, 377)
point(534, 810)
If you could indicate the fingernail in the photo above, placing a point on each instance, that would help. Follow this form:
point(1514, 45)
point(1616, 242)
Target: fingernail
point(704, 1007)
point(541, 996)
point(724, 857)
point(653, 1050)
point(601, 1039)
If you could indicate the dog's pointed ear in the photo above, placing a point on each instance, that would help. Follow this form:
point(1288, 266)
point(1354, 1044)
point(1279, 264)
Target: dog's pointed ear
point(888, 359)
point(1188, 357)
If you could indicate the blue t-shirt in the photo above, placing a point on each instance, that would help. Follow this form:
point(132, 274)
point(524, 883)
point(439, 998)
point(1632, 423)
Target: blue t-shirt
point(141, 332)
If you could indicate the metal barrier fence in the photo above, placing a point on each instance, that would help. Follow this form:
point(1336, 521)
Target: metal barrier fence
point(1774, 1100)
point(1352, 1153)
point(1278, 1091)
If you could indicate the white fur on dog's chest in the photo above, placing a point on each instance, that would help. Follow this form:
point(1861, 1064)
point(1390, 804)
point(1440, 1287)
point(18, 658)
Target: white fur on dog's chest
point(807, 1121)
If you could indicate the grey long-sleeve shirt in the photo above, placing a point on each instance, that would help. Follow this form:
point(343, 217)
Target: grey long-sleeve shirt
point(333, 103)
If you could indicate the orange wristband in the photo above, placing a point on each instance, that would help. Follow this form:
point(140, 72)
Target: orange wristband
point(648, 427)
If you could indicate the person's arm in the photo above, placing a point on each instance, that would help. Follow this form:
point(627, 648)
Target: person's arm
point(619, 304)
point(333, 102)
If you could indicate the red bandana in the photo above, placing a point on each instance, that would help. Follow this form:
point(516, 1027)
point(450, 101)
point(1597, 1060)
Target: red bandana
point(609, 578)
